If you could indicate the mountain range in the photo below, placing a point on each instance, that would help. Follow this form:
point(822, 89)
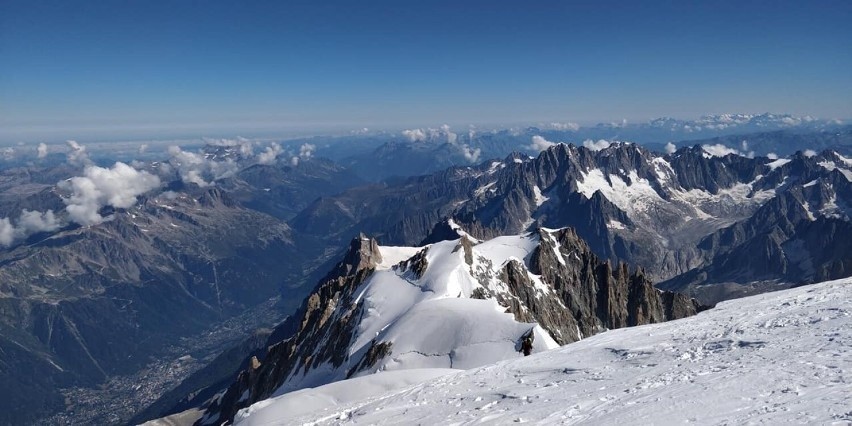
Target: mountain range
point(457, 304)
point(670, 214)
point(96, 285)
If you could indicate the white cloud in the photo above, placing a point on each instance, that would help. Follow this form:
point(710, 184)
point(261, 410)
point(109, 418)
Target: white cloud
point(77, 154)
point(41, 151)
point(415, 135)
point(195, 168)
point(471, 155)
point(142, 148)
point(596, 146)
point(28, 223)
point(810, 153)
point(539, 143)
point(188, 165)
point(772, 156)
point(430, 134)
point(745, 152)
point(35, 221)
point(719, 150)
point(7, 232)
point(307, 151)
point(166, 169)
point(670, 148)
point(98, 187)
point(791, 121)
point(270, 154)
point(565, 126)
point(8, 153)
point(451, 137)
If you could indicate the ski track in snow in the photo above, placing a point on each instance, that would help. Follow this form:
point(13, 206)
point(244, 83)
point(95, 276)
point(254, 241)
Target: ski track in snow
point(774, 358)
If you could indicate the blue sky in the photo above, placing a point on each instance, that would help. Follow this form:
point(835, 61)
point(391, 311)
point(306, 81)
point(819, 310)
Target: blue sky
point(95, 70)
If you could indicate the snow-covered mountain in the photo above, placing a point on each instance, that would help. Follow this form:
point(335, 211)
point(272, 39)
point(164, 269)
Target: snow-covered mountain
point(455, 304)
point(771, 359)
point(429, 150)
point(668, 213)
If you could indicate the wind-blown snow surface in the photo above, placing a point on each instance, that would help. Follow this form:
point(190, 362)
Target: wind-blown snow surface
point(432, 321)
point(773, 358)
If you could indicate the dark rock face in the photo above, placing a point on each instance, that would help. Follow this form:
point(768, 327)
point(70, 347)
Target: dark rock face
point(800, 236)
point(324, 327)
point(563, 287)
point(586, 295)
point(686, 209)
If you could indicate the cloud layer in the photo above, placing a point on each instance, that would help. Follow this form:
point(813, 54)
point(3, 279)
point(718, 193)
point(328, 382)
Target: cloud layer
point(721, 150)
point(28, 223)
point(118, 186)
point(471, 155)
point(565, 126)
point(41, 151)
point(596, 145)
point(442, 133)
point(539, 144)
point(196, 168)
point(306, 151)
point(77, 154)
point(270, 154)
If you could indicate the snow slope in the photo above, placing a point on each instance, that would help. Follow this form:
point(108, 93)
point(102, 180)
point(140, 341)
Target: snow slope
point(773, 358)
point(431, 321)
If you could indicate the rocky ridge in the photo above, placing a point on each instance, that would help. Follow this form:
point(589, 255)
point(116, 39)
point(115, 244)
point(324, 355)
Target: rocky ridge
point(630, 204)
point(549, 277)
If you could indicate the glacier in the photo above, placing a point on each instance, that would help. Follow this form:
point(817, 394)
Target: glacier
point(774, 358)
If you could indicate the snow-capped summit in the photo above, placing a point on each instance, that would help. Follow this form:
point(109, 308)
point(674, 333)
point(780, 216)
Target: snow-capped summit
point(779, 358)
point(453, 304)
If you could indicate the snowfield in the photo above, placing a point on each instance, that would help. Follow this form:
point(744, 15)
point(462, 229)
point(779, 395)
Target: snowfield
point(432, 321)
point(775, 358)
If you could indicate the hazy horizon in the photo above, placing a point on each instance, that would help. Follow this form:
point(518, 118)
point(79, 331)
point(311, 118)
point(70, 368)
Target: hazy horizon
point(154, 70)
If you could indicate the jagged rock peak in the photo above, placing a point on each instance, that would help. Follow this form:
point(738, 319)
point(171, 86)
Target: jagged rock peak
point(363, 253)
point(456, 303)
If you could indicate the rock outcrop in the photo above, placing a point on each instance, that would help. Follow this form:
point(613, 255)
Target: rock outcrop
point(324, 328)
point(674, 214)
point(559, 284)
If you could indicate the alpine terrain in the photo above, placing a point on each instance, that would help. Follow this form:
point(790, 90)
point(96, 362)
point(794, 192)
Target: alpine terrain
point(678, 215)
point(774, 358)
point(456, 303)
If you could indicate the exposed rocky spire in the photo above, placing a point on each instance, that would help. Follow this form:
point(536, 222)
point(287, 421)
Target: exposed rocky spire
point(561, 285)
point(325, 321)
